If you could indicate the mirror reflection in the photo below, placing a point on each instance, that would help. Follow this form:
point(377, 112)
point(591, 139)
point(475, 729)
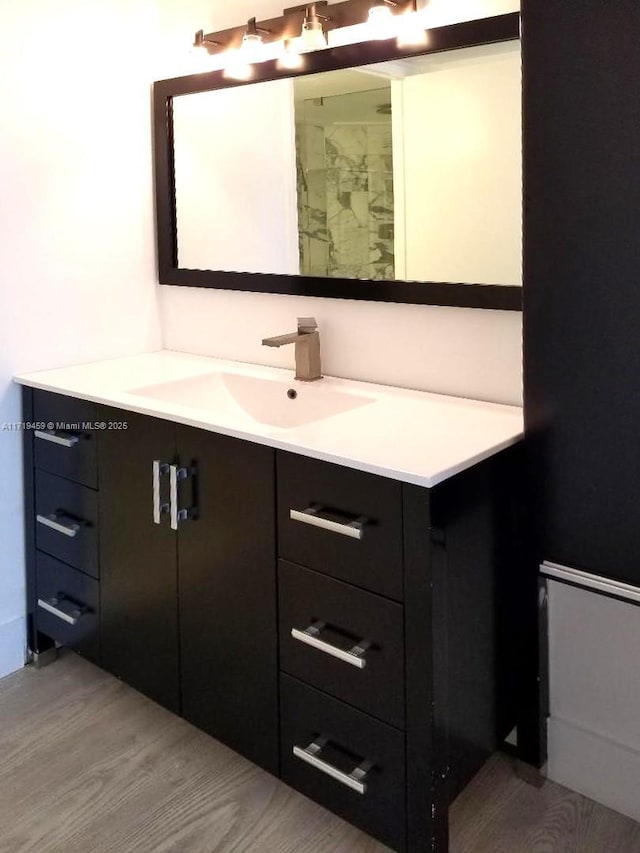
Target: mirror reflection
point(408, 170)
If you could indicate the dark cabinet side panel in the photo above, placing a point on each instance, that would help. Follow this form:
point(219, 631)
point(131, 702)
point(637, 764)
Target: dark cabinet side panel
point(581, 274)
point(139, 613)
point(227, 580)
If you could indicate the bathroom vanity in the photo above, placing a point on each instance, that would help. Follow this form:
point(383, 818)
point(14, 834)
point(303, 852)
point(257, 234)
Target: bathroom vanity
point(331, 582)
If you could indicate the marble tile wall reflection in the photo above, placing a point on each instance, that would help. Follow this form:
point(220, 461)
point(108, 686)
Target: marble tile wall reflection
point(345, 200)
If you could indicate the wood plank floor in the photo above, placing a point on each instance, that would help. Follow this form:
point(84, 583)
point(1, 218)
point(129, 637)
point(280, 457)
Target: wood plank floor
point(87, 765)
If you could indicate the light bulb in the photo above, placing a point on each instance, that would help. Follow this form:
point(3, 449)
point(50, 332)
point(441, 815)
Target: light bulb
point(200, 56)
point(291, 57)
point(252, 47)
point(237, 66)
point(381, 24)
point(411, 31)
point(312, 36)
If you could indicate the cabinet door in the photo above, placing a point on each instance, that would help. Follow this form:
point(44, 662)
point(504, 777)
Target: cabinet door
point(227, 581)
point(138, 584)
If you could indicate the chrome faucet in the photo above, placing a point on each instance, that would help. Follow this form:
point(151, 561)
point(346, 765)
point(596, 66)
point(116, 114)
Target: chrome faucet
point(307, 341)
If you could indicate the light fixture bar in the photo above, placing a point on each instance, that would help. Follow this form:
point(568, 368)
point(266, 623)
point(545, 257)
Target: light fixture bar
point(201, 40)
point(289, 24)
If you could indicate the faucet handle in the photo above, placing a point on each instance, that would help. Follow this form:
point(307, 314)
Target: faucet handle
point(307, 325)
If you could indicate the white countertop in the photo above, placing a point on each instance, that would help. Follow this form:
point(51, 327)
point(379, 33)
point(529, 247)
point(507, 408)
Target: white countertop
point(413, 436)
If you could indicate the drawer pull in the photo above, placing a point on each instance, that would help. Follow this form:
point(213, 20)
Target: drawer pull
point(311, 515)
point(354, 780)
point(177, 515)
point(69, 529)
point(159, 469)
point(54, 606)
point(65, 440)
point(311, 637)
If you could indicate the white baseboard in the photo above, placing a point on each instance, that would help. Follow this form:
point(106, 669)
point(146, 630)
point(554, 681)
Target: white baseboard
point(596, 766)
point(12, 646)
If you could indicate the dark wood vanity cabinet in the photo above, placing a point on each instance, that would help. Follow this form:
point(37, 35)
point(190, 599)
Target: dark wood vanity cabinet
point(188, 615)
point(366, 640)
point(227, 600)
point(138, 559)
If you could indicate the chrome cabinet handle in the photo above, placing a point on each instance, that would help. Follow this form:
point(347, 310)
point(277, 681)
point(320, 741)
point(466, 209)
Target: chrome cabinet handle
point(54, 438)
point(177, 515)
point(159, 469)
point(354, 780)
point(311, 637)
point(311, 515)
point(69, 529)
point(54, 606)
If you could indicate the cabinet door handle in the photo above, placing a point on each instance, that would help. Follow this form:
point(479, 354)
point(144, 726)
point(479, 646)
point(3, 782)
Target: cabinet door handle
point(55, 607)
point(177, 515)
point(64, 440)
point(69, 529)
point(159, 469)
point(354, 780)
point(311, 515)
point(311, 637)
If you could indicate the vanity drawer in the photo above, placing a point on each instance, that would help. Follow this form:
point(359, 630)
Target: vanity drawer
point(372, 681)
point(67, 450)
point(323, 741)
point(67, 522)
point(67, 607)
point(345, 523)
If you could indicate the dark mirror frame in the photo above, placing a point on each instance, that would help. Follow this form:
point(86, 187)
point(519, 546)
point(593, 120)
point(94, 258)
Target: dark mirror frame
point(492, 30)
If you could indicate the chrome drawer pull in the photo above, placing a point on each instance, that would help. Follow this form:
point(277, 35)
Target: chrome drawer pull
point(354, 780)
point(311, 515)
point(54, 606)
point(311, 637)
point(54, 438)
point(159, 469)
point(177, 515)
point(69, 529)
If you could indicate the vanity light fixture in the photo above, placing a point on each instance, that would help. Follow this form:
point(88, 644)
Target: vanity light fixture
point(411, 30)
point(200, 48)
point(381, 23)
point(201, 41)
point(291, 58)
point(304, 28)
point(239, 65)
point(313, 36)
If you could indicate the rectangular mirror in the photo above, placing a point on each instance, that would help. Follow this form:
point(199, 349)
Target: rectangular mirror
point(398, 180)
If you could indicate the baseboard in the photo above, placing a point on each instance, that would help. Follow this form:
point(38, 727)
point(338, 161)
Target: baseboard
point(596, 766)
point(12, 646)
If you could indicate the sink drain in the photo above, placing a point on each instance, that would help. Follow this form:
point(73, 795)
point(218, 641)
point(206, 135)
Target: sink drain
point(292, 393)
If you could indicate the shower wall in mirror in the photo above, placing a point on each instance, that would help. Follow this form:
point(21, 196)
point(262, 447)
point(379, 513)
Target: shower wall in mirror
point(344, 156)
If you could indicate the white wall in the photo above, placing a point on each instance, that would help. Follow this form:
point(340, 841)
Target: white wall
point(77, 279)
point(594, 727)
point(457, 351)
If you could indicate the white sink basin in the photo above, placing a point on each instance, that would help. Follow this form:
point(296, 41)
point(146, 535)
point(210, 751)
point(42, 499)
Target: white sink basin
point(268, 401)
